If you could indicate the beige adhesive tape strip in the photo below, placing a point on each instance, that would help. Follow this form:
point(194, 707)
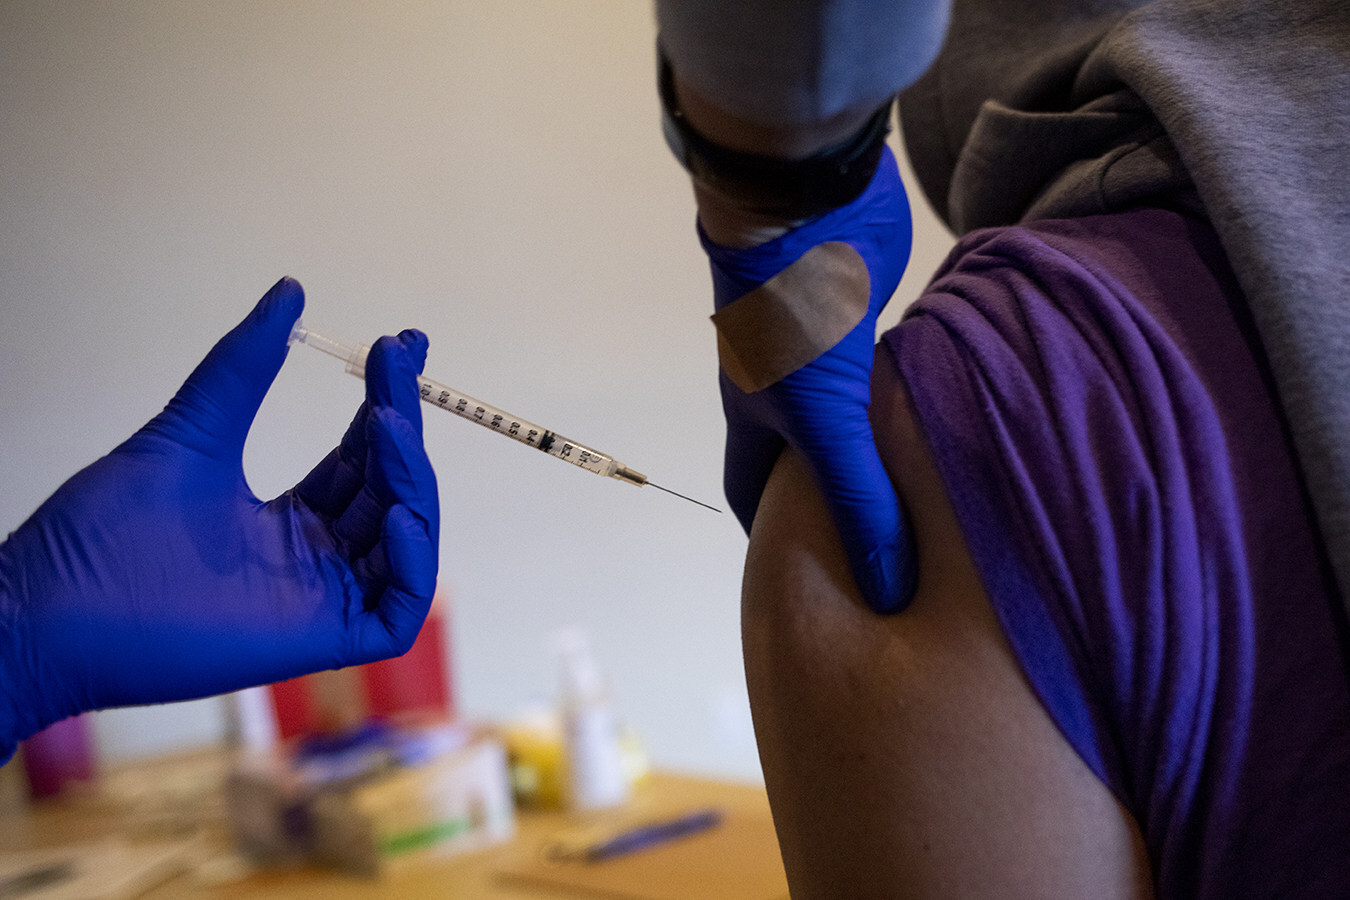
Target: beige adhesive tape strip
point(793, 317)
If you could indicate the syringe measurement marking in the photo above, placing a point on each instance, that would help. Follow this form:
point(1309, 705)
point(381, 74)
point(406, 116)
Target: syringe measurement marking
point(525, 432)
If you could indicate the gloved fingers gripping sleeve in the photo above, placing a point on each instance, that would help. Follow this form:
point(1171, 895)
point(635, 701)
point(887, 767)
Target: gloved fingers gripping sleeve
point(796, 320)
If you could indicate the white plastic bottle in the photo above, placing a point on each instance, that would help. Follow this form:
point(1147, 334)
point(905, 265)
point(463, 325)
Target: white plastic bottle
point(592, 749)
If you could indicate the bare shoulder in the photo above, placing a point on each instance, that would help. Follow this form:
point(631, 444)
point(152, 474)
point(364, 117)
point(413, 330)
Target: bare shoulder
point(906, 756)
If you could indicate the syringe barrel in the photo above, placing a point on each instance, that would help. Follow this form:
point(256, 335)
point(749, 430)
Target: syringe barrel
point(536, 436)
point(500, 421)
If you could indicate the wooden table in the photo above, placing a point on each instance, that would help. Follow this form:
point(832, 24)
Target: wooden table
point(738, 859)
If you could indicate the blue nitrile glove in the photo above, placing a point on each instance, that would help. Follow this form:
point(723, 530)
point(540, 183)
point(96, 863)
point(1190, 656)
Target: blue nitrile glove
point(154, 574)
point(820, 408)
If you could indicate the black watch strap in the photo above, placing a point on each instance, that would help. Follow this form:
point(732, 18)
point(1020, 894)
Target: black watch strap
point(788, 188)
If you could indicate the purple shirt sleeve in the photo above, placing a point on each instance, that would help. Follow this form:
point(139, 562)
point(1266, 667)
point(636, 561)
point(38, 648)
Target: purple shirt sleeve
point(1102, 416)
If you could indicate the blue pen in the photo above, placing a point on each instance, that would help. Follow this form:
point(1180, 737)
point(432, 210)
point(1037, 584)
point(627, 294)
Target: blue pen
point(642, 837)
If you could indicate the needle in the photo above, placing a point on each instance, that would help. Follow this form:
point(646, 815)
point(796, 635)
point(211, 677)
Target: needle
point(682, 496)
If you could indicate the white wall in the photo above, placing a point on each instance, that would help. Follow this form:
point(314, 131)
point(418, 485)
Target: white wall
point(492, 173)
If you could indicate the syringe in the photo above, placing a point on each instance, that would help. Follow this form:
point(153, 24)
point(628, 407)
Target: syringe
point(451, 400)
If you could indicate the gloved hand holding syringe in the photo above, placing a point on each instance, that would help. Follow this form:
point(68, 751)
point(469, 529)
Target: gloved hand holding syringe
point(354, 355)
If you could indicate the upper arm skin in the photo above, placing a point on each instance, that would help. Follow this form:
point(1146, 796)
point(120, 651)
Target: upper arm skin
point(906, 756)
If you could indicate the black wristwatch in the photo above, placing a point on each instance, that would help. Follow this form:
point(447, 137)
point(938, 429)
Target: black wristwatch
point(790, 189)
